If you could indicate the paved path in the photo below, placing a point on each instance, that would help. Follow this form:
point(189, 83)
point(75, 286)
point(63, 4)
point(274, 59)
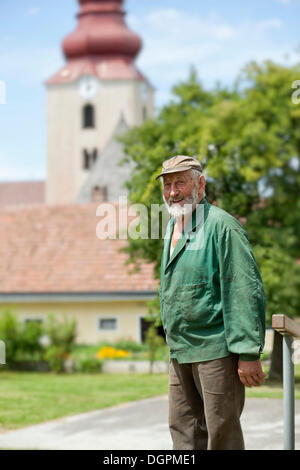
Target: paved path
point(143, 425)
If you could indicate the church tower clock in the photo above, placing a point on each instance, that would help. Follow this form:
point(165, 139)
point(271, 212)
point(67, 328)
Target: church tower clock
point(99, 87)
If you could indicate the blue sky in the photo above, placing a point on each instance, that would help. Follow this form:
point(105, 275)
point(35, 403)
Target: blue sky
point(218, 37)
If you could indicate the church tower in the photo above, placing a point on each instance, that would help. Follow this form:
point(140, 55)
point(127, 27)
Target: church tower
point(98, 93)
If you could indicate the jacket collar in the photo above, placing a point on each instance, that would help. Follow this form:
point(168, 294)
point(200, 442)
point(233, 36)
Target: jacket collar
point(193, 222)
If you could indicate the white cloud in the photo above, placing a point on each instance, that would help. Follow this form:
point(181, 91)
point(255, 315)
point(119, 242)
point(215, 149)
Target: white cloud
point(34, 11)
point(272, 23)
point(288, 2)
point(175, 39)
point(174, 23)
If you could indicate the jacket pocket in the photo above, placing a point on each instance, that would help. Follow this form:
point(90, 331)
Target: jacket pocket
point(196, 303)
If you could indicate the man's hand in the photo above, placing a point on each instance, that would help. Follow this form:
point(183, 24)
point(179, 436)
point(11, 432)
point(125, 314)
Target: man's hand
point(250, 373)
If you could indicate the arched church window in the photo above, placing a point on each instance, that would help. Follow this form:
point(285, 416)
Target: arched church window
point(88, 117)
point(89, 158)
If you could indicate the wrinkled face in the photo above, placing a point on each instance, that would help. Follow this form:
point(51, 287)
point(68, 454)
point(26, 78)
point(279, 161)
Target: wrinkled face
point(180, 193)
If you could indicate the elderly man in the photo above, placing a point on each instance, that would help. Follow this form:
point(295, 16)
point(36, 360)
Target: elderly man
point(213, 313)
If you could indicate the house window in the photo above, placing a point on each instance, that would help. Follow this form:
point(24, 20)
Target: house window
point(88, 117)
point(89, 158)
point(108, 324)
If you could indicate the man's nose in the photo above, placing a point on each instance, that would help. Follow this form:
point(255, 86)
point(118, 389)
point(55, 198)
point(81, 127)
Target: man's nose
point(173, 190)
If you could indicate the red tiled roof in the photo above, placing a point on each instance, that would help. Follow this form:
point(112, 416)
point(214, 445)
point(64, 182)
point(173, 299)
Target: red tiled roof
point(18, 193)
point(55, 249)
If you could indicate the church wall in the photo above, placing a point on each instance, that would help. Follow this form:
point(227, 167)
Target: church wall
point(66, 139)
point(63, 123)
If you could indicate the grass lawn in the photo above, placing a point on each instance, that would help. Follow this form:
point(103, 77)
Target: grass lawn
point(29, 398)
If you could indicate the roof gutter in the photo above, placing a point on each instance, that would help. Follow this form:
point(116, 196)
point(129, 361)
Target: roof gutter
point(32, 297)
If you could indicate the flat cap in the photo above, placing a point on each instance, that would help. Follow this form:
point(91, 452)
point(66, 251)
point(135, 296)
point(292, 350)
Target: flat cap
point(179, 163)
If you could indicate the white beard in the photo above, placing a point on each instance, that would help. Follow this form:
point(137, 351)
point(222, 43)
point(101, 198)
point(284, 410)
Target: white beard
point(188, 207)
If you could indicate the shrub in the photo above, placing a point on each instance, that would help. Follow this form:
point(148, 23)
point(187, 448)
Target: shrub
point(29, 345)
point(61, 333)
point(56, 355)
point(154, 343)
point(10, 333)
point(128, 344)
point(84, 358)
point(22, 339)
point(62, 336)
point(88, 364)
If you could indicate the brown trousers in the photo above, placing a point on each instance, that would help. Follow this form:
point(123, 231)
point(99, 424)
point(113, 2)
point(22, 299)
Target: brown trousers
point(206, 400)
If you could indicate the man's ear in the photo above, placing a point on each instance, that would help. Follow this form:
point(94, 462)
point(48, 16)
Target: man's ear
point(202, 183)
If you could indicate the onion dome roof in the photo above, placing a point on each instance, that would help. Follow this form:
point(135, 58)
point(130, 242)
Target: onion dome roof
point(101, 31)
point(101, 45)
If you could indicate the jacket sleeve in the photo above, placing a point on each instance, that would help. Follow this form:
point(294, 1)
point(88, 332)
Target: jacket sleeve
point(242, 294)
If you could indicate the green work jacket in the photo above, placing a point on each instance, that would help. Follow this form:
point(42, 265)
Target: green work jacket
point(211, 293)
